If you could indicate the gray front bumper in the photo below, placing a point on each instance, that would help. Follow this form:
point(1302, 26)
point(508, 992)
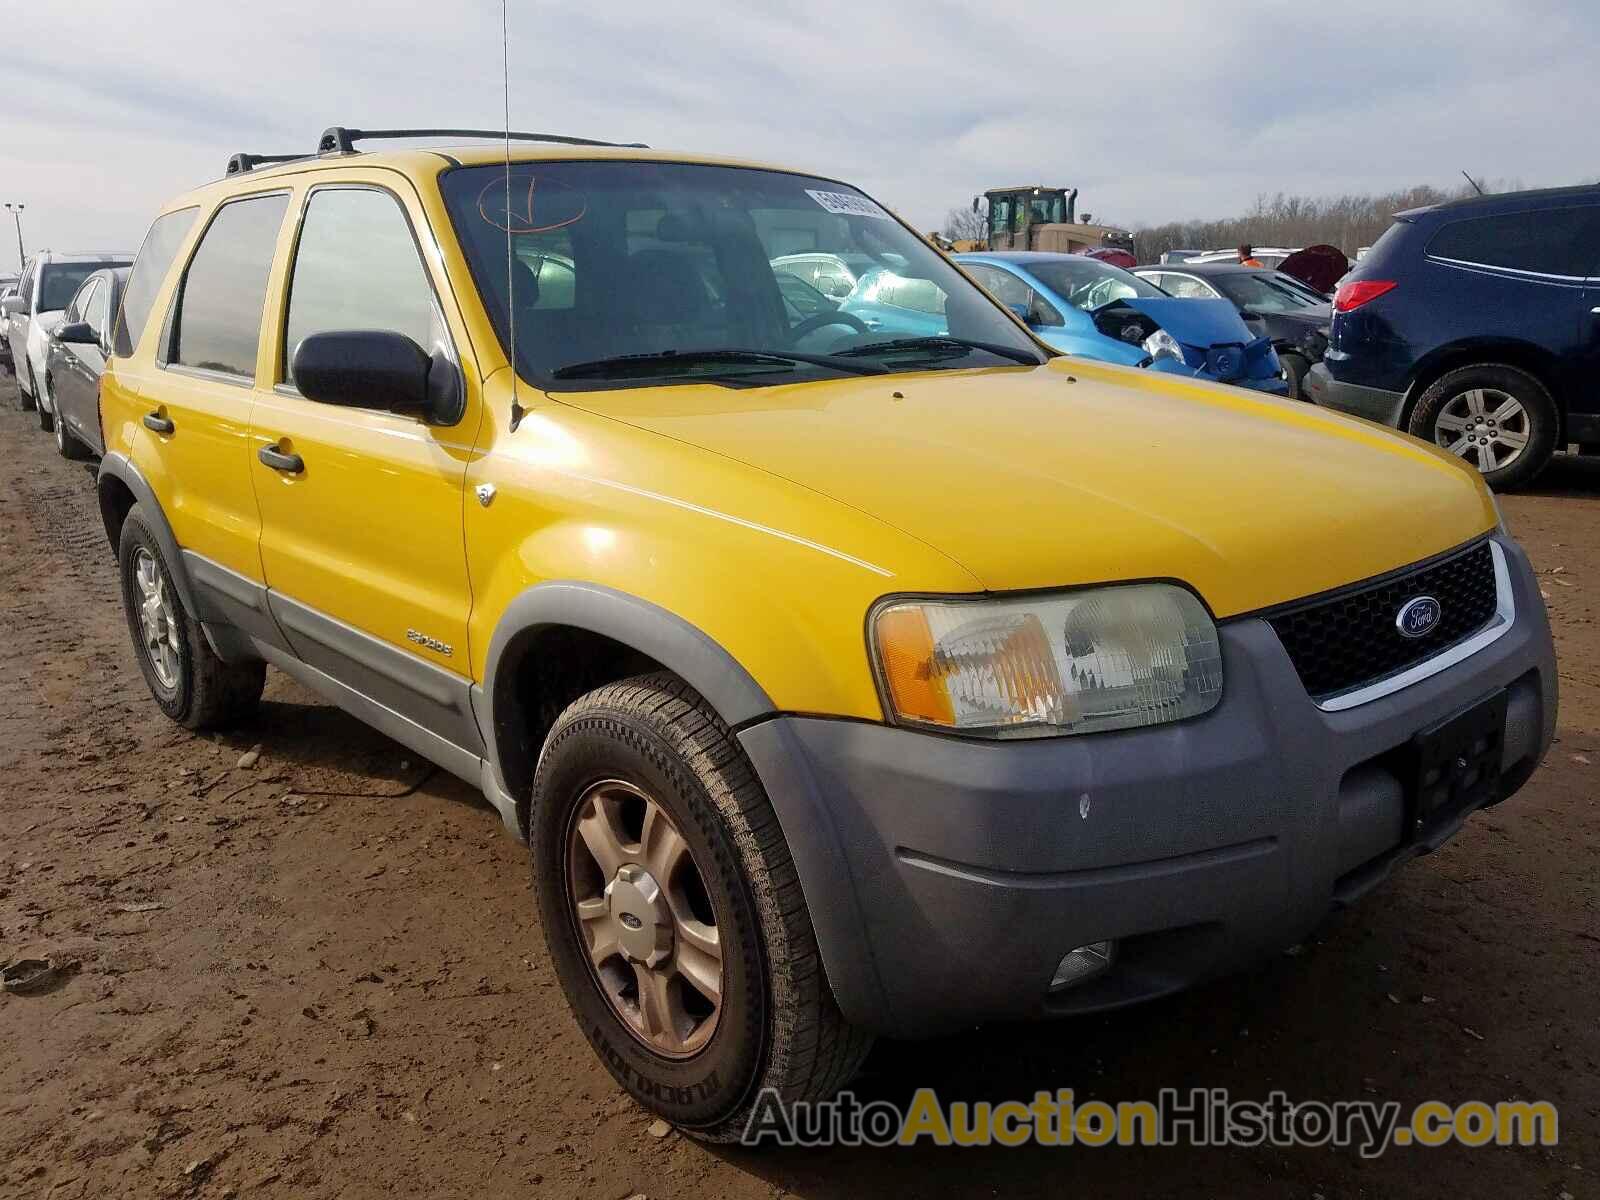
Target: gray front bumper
point(946, 877)
point(1375, 404)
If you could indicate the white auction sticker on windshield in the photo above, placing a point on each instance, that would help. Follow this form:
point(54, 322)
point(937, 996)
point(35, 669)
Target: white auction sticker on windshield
point(847, 204)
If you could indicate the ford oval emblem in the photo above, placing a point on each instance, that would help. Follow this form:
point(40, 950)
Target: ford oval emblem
point(1418, 617)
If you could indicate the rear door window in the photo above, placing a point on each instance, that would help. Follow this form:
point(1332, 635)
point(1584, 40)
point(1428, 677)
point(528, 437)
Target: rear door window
point(217, 323)
point(150, 269)
point(357, 267)
point(1560, 241)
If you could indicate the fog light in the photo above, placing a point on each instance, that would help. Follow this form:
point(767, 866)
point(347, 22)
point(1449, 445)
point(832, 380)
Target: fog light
point(1082, 964)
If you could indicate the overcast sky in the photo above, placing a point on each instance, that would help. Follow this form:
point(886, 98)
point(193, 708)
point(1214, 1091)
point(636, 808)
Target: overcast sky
point(1156, 110)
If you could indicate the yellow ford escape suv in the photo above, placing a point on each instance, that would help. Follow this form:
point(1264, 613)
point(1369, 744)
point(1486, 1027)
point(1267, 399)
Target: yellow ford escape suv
point(849, 668)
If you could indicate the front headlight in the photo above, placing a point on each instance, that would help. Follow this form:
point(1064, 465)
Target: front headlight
point(1162, 344)
point(1079, 662)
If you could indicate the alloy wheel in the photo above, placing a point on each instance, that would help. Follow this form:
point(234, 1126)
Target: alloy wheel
point(156, 618)
point(1486, 426)
point(644, 918)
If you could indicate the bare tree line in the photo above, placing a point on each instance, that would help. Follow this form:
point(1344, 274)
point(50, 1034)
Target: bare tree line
point(1348, 222)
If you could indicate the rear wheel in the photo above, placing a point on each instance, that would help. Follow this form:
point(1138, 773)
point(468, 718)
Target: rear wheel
point(673, 912)
point(1498, 418)
point(1294, 372)
point(191, 684)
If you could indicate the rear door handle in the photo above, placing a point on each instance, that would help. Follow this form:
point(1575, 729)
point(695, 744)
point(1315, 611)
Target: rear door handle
point(157, 423)
point(290, 464)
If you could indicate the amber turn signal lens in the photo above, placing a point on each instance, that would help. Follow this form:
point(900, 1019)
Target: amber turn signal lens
point(905, 649)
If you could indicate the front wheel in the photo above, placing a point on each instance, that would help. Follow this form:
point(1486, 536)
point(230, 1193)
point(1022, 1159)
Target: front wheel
point(1498, 418)
point(68, 446)
point(673, 913)
point(45, 402)
point(25, 395)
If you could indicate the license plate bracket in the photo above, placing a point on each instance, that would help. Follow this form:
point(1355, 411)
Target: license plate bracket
point(1456, 765)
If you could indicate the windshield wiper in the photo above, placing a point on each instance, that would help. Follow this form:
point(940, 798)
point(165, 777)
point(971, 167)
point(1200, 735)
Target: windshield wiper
point(943, 342)
point(623, 364)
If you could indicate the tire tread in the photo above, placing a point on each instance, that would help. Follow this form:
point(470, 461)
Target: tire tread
point(812, 1051)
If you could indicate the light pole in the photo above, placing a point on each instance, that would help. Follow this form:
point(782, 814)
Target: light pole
point(16, 214)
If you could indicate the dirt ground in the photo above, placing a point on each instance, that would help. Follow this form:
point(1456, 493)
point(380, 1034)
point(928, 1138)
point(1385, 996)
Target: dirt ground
point(321, 976)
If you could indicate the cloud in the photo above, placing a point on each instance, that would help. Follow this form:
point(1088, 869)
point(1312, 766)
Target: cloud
point(1156, 111)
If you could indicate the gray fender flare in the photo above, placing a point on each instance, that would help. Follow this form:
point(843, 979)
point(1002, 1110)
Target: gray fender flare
point(739, 700)
point(651, 630)
point(117, 466)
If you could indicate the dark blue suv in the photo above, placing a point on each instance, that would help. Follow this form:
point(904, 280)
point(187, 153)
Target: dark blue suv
point(1476, 325)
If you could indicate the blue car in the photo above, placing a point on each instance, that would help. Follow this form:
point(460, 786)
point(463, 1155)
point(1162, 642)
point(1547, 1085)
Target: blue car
point(1083, 306)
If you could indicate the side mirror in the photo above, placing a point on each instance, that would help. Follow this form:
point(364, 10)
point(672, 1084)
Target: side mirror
point(10, 306)
point(380, 369)
point(78, 333)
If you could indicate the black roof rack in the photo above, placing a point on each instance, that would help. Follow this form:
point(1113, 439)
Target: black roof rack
point(338, 139)
point(241, 163)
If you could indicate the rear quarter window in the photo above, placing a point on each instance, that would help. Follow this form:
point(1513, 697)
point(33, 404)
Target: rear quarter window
point(1559, 241)
point(150, 267)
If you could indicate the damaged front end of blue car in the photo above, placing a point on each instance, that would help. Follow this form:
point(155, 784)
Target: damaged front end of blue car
point(1202, 339)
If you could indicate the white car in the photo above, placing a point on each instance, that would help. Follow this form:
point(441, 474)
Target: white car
point(1267, 256)
point(48, 283)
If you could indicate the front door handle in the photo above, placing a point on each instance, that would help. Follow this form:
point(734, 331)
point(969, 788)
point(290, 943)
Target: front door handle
point(157, 423)
point(290, 464)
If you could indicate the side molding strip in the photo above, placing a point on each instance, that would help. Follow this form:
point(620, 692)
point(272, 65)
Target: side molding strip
point(461, 763)
point(425, 694)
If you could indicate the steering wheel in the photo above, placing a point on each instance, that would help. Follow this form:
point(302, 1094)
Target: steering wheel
point(822, 320)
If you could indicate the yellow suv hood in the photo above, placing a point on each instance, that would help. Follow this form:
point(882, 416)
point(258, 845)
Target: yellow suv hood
point(1079, 473)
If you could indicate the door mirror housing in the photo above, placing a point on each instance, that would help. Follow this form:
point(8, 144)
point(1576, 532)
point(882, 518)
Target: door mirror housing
point(77, 333)
point(379, 369)
point(11, 306)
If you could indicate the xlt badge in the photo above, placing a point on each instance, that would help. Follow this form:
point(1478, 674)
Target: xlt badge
point(429, 643)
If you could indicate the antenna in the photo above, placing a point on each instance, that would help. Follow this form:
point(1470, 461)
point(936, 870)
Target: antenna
point(1474, 184)
point(511, 279)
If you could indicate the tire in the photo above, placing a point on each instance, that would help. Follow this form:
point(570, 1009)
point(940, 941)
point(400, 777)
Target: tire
point(1496, 387)
point(25, 397)
point(1295, 367)
point(191, 684)
point(653, 740)
point(47, 416)
point(68, 446)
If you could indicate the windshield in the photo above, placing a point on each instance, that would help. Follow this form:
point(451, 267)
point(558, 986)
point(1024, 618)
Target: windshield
point(1264, 293)
point(61, 281)
point(676, 261)
point(1088, 283)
